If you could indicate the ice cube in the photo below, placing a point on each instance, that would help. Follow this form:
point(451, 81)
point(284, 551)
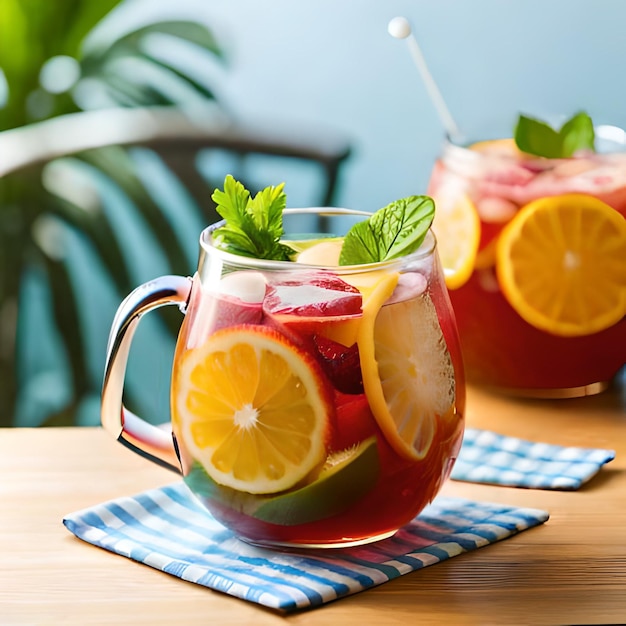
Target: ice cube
point(236, 299)
point(247, 286)
point(410, 285)
point(312, 295)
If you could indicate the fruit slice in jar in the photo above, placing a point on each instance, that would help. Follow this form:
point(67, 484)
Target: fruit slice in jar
point(505, 146)
point(457, 227)
point(408, 373)
point(344, 479)
point(561, 264)
point(315, 303)
point(323, 252)
point(252, 409)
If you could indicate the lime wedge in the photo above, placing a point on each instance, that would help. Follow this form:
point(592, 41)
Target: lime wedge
point(345, 478)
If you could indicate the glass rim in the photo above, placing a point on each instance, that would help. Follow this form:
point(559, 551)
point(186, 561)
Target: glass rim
point(426, 249)
point(612, 138)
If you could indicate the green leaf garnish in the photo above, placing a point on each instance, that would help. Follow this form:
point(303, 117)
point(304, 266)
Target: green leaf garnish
point(393, 231)
point(253, 226)
point(536, 137)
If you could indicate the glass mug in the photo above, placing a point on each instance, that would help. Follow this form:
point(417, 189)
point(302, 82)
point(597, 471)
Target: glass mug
point(311, 406)
point(503, 346)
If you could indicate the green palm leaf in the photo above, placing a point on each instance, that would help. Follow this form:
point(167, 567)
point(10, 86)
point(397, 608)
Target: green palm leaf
point(157, 63)
point(96, 227)
point(31, 33)
point(153, 74)
point(65, 309)
point(116, 164)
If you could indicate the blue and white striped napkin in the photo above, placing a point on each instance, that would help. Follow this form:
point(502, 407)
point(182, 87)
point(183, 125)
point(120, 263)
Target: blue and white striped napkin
point(169, 530)
point(488, 457)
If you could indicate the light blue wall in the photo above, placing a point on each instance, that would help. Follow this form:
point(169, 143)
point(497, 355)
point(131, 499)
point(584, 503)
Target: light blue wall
point(332, 62)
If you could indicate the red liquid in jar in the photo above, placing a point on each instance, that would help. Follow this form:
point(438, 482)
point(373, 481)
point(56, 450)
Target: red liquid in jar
point(401, 486)
point(500, 349)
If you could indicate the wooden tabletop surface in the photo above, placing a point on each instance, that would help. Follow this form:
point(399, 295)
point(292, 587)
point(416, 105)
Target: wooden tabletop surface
point(570, 570)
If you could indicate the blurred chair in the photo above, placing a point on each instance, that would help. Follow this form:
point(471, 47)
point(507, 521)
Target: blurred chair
point(179, 137)
point(157, 165)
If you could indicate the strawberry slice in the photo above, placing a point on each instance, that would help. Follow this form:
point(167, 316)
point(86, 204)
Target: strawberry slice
point(340, 364)
point(353, 421)
point(311, 306)
point(312, 295)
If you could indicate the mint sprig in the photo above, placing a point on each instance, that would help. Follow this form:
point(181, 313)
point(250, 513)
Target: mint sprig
point(536, 137)
point(254, 225)
point(393, 231)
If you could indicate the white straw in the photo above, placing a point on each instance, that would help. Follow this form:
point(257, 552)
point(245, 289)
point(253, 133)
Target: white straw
point(400, 28)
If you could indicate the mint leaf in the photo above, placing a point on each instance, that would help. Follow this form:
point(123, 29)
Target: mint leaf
point(577, 134)
point(393, 231)
point(536, 137)
point(253, 226)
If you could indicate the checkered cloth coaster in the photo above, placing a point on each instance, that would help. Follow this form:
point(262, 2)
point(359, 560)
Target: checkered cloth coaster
point(167, 529)
point(488, 457)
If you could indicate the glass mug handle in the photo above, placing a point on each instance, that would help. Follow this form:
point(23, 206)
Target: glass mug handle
point(148, 440)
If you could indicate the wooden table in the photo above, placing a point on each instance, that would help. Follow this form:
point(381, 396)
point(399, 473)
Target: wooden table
point(571, 570)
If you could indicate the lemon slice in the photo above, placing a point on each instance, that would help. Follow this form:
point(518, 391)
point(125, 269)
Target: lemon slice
point(252, 409)
point(408, 375)
point(561, 264)
point(457, 228)
point(375, 286)
point(323, 251)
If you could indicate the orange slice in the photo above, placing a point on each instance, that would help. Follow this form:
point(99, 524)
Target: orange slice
point(457, 227)
point(252, 409)
point(561, 264)
point(407, 370)
point(505, 147)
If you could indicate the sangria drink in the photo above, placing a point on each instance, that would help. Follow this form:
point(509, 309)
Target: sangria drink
point(317, 397)
point(534, 249)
